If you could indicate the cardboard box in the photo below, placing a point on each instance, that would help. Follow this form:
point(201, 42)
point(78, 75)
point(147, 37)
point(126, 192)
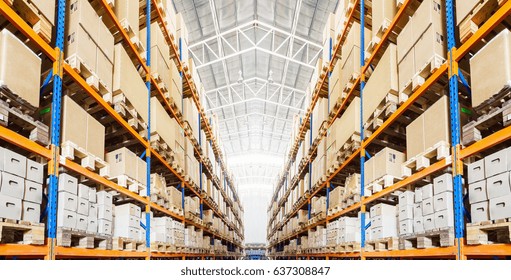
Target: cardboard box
point(383, 80)
point(383, 12)
point(498, 185)
point(429, 222)
point(477, 192)
point(81, 222)
point(406, 213)
point(443, 183)
point(127, 13)
point(418, 194)
point(105, 68)
point(167, 128)
point(95, 138)
point(432, 43)
point(127, 80)
point(47, 9)
point(387, 162)
point(463, 9)
point(83, 206)
point(479, 212)
point(430, 14)
point(352, 41)
point(497, 163)
point(80, 44)
point(122, 162)
point(406, 227)
point(405, 41)
point(105, 44)
point(104, 227)
point(31, 212)
point(443, 201)
point(10, 207)
point(406, 198)
point(35, 172)
point(104, 198)
point(418, 224)
point(92, 224)
point(490, 68)
point(66, 218)
point(476, 171)
point(74, 123)
point(444, 218)
point(68, 183)
point(12, 185)
point(406, 68)
point(128, 209)
point(81, 13)
point(33, 192)
point(13, 163)
point(427, 206)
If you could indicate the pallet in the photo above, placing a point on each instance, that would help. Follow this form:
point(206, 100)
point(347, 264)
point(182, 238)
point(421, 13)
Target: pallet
point(429, 239)
point(12, 116)
point(81, 239)
point(128, 183)
point(134, 39)
point(489, 232)
point(162, 247)
point(351, 145)
point(384, 244)
point(162, 148)
point(384, 110)
point(79, 155)
point(438, 152)
point(31, 15)
point(86, 72)
point(127, 244)
point(21, 232)
point(382, 183)
point(350, 84)
point(420, 77)
point(377, 34)
point(123, 106)
point(495, 115)
point(348, 247)
point(477, 17)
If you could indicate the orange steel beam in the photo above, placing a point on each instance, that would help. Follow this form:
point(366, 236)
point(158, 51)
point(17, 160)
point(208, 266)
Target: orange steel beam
point(81, 252)
point(23, 250)
point(429, 252)
point(21, 141)
point(488, 250)
point(487, 142)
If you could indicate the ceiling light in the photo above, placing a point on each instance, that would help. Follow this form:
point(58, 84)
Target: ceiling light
point(270, 77)
point(240, 77)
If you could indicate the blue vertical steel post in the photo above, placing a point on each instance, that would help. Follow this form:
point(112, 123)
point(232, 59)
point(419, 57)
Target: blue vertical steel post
point(200, 166)
point(362, 154)
point(56, 120)
point(310, 165)
point(459, 225)
point(148, 153)
point(182, 185)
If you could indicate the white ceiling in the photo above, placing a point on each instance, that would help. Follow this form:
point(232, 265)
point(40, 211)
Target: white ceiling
point(255, 37)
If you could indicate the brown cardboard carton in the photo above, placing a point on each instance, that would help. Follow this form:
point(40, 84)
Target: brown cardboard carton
point(334, 84)
point(176, 87)
point(415, 137)
point(436, 123)
point(157, 39)
point(383, 14)
point(383, 81)
point(369, 171)
point(79, 43)
point(160, 67)
point(95, 137)
point(353, 40)
point(81, 13)
point(463, 9)
point(430, 13)
point(329, 30)
point(349, 123)
point(106, 42)
point(141, 170)
point(490, 68)
point(122, 162)
point(430, 45)
point(351, 68)
point(406, 69)
point(127, 13)
point(47, 8)
point(405, 41)
point(74, 123)
point(20, 68)
point(387, 162)
point(104, 69)
point(128, 81)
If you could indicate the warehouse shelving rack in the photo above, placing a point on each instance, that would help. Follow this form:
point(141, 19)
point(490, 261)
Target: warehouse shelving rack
point(50, 250)
point(450, 68)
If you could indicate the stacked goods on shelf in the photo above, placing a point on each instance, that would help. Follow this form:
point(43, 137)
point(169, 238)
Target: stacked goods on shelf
point(83, 138)
point(383, 13)
point(421, 46)
point(19, 87)
point(318, 206)
point(319, 117)
point(351, 193)
point(39, 14)
point(165, 194)
point(192, 206)
point(127, 226)
point(382, 170)
point(89, 46)
point(193, 237)
point(489, 197)
point(339, 21)
point(490, 70)
point(329, 39)
point(167, 230)
point(344, 135)
point(127, 170)
point(382, 87)
point(166, 135)
point(129, 91)
point(406, 216)
point(427, 138)
point(21, 190)
point(334, 199)
point(127, 12)
point(471, 14)
point(181, 38)
point(383, 222)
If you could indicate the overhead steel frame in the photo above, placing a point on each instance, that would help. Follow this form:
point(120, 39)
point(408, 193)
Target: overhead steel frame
point(51, 251)
point(460, 250)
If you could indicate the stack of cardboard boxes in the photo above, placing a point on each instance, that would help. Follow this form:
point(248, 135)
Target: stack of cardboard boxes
point(382, 169)
point(21, 189)
point(127, 218)
point(383, 222)
point(124, 164)
point(406, 216)
point(489, 187)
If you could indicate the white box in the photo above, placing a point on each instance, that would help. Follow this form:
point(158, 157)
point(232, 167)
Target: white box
point(35, 172)
point(406, 227)
point(104, 198)
point(477, 192)
point(496, 163)
point(104, 227)
point(128, 232)
point(498, 185)
point(33, 192)
point(92, 224)
point(127, 209)
point(83, 191)
point(443, 183)
point(417, 209)
point(383, 210)
point(427, 191)
point(105, 212)
point(126, 221)
point(429, 222)
point(443, 201)
point(93, 210)
point(68, 183)
point(418, 194)
point(418, 224)
point(92, 195)
point(406, 212)
point(444, 218)
point(67, 201)
point(500, 207)
point(12, 185)
point(10, 207)
point(66, 218)
point(14, 163)
point(479, 212)
point(427, 207)
point(385, 221)
point(376, 233)
point(31, 212)
point(83, 206)
point(81, 222)
point(406, 198)
point(476, 171)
